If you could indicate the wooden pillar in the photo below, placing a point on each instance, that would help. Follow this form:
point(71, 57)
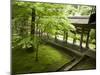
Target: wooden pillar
point(81, 40)
point(74, 40)
point(66, 36)
point(87, 40)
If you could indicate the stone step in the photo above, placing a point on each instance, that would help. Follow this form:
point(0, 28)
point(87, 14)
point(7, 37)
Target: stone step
point(64, 66)
point(73, 64)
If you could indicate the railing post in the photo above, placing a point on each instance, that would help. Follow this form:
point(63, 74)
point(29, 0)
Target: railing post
point(66, 36)
point(87, 40)
point(74, 40)
point(81, 40)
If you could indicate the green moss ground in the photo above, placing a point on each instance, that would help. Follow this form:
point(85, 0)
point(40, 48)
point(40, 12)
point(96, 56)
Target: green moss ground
point(50, 59)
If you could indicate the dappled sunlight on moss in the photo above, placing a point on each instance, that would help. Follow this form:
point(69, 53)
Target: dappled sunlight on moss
point(50, 59)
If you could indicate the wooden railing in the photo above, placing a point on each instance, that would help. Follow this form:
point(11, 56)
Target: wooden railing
point(83, 29)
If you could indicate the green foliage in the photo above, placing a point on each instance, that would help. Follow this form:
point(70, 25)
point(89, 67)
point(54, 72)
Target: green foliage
point(49, 18)
point(93, 36)
point(85, 10)
point(27, 42)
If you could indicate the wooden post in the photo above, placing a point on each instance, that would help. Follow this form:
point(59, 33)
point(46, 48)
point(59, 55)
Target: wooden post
point(74, 40)
point(81, 40)
point(66, 36)
point(87, 40)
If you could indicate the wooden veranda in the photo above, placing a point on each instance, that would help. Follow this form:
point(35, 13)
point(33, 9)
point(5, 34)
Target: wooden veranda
point(82, 27)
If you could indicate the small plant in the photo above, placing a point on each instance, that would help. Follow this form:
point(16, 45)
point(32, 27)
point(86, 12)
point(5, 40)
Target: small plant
point(27, 43)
